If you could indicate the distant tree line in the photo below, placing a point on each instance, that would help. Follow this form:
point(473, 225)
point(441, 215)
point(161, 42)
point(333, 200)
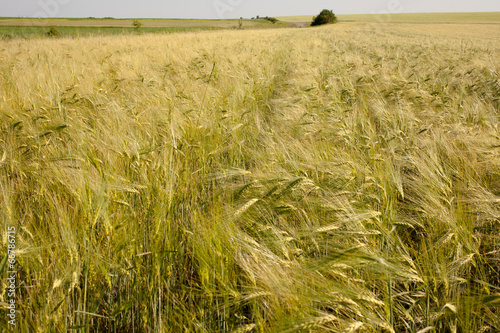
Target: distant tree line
point(273, 20)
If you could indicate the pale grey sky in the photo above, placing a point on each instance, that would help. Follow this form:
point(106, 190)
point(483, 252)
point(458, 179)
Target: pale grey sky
point(214, 9)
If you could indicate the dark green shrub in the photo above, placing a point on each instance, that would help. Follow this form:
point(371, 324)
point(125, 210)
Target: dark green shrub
point(325, 17)
point(272, 19)
point(53, 32)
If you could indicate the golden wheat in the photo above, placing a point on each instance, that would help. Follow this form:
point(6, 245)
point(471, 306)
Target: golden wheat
point(331, 179)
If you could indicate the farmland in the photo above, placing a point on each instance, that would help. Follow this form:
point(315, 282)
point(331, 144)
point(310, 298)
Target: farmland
point(330, 179)
point(474, 18)
point(35, 28)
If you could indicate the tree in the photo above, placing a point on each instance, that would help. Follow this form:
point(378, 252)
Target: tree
point(137, 24)
point(325, 17)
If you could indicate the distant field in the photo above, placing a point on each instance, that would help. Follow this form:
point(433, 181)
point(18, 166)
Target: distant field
point(29, 32)
point(408, 18)
point(15, 27)
point(293, 19)
point(169, 23)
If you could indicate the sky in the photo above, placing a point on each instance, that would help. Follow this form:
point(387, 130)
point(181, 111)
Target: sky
point(221, 9)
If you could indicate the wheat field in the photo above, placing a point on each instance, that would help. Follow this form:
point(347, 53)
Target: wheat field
point(335, 179)
point(384, 17)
